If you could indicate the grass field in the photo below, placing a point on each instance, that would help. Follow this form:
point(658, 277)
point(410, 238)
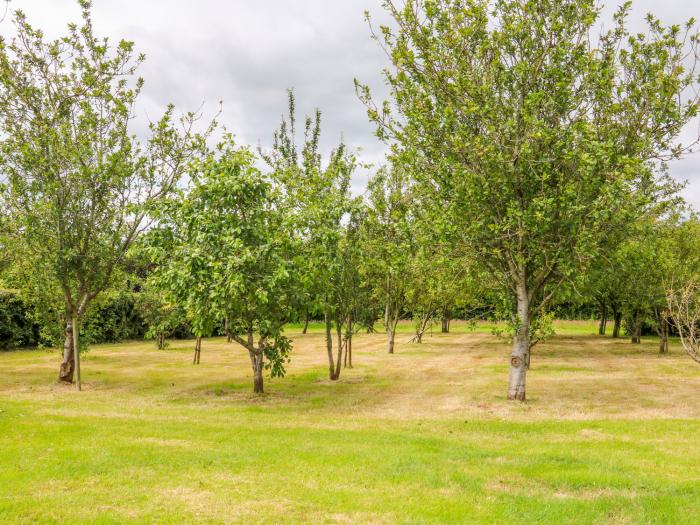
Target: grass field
point(610, 434)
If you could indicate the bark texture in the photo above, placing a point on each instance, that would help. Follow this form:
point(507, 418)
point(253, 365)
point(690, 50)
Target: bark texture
point(65, 374)
point(391, 337)
point(256, 360)
point(329, 349)
point(521, 347)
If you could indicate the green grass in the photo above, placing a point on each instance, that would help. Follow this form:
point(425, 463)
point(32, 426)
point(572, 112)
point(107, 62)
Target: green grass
point(610, 435)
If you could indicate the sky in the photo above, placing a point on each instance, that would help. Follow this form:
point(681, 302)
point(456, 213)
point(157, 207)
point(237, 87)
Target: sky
point(247, 53)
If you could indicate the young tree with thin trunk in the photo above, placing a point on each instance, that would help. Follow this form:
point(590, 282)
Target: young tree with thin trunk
point(529, 131)
point(224, 249)
point(161, 317)
point(389, 244)
point(317, 197)
point(78, 184)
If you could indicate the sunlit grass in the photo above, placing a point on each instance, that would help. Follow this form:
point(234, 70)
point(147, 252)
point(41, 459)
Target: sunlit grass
point(609, 435)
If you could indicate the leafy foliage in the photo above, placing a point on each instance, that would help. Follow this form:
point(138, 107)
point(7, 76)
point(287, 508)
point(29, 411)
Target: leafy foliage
point(529, 133)
point(78, 185)
point(223, 250)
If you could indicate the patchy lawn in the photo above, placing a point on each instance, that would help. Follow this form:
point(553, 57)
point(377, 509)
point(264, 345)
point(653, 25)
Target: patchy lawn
point(609, 435)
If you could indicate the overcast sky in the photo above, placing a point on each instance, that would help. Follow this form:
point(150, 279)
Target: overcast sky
point(248, 52)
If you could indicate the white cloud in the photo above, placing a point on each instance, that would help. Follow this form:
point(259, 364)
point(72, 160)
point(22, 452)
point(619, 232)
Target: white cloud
point(247, 53)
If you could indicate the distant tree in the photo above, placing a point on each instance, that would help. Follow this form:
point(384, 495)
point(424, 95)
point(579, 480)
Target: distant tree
point(643, 272)
point(78, 184)
point(162, 317)
point(626, 275)
point(389, 244)
point(438, 284)
point(530, 132)
point(682, 284)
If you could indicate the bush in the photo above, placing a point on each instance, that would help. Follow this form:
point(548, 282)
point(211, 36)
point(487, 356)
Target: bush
point(17, 328)
point(113, 318)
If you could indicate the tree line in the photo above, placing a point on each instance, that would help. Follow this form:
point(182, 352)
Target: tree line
point(527, 169)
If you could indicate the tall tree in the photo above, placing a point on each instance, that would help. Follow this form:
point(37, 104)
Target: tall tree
point(78, 184)
point(317, 195)
point(531, 130)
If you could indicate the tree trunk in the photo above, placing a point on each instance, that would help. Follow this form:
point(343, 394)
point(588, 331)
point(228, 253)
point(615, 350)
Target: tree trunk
point(348, 336)
point(618, 324)
point(76, 346)
point(339, 332)
point(422, 327)
point(521, 347)
point(445, 324)
point(528, 357)
point(306, 325)
point(663, 335)
point(386, 316)
point(329, 348)
point(161, 341)
point(65, 374)
point(391, 332)
point(603, 320)
point(197, 351)
point(636, 328)
point(256, 359)
point(227, 330)
point(349, 349)
point(370, 326)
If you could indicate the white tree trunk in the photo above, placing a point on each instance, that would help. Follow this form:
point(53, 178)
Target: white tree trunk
point(521, 347)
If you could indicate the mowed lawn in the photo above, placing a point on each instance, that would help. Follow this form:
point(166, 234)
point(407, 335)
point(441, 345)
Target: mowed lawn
point(610, 434)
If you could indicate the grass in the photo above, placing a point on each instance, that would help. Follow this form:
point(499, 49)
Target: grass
point(609, 435)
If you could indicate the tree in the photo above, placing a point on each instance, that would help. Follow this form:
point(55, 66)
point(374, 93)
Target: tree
point(318, 198)
point(78, 184)
point(682, 284)
point(224, 250)
point(627, 274)
point(161, 317)
point(389, 244)
point(531, 131)
point(438, 284)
